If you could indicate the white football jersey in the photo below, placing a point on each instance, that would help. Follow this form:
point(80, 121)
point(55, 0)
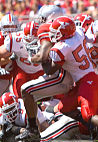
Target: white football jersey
point(14, 43)
point(21, 118)
point(72, 55)
point(93, 46)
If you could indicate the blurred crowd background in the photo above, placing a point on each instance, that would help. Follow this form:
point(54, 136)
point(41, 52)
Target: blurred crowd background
point(26, 9)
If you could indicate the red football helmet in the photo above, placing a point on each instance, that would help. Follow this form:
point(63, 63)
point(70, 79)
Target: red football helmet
point(83, 20)
point(9, 106)
point(30, 31)
point(62, 28)
point(30, 38)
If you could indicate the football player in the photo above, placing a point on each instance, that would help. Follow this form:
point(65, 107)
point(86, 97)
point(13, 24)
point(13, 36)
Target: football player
point(9, 24)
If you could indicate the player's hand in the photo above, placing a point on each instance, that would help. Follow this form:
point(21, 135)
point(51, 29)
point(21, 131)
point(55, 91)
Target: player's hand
point(22, 130)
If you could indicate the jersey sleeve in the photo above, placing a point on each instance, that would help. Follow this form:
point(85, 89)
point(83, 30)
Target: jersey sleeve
point(59, 53)
point(43, 32)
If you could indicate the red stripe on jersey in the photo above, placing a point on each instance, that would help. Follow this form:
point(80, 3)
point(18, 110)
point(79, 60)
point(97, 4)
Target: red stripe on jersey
point(46, 38)
point(10, 35)
point(44, 35)
point(92, 30)
point(58, 52)
point(61, 62)
point(10, 17)
point(43, 31)
point(95, 39)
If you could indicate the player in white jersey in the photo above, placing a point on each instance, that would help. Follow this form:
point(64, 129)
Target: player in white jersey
point(92, 30)
point(13, 116)
point(23, 69)
point(86, 22)
point(9, 23)
point(13, 113)
point(77, 63)
point(58, 78)
point(71, 53)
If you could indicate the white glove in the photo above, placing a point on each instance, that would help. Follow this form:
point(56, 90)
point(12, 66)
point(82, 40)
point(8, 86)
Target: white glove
point(3, 71)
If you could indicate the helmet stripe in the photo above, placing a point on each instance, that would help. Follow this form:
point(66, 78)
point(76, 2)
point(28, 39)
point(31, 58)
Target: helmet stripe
point(10, 17)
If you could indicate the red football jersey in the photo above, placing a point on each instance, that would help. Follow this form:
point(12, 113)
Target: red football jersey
point(43, 32)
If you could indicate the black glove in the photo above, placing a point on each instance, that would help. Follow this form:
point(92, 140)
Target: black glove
point(6, 131)
point(9, 127)
point(1, 137)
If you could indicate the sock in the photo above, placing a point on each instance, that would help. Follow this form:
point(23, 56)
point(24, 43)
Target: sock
point(31, 123)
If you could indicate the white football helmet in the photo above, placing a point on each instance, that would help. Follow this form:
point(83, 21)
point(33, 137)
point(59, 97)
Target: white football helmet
point(48, 13)
point(9, 23)
point(9, 106)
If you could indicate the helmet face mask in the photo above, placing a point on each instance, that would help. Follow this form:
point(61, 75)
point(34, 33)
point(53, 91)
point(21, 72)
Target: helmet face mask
point(11, 112)
point(54, 35)
point(33, 46)
point(30, 38)
point(78, 23)
point(9, 106)
point(9, 23)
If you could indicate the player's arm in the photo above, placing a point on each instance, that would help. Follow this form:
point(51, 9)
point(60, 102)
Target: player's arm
point(4, 53)
point(43, 53)
point(4, 56)
point(4, 61)
point(50, 67)
point(53, 63)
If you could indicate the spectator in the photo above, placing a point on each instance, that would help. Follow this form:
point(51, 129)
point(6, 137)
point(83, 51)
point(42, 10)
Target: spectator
point(9, 7)
point(21, 10)
point(93, 9)
point(1, 10)
point(35, 6)
point(81, 7)
point(46, 2)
